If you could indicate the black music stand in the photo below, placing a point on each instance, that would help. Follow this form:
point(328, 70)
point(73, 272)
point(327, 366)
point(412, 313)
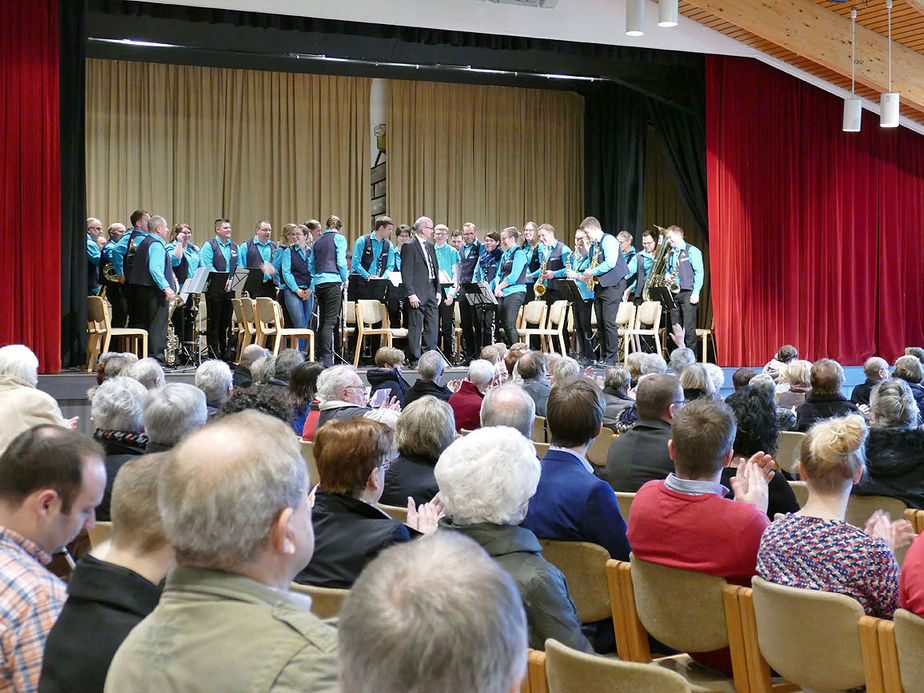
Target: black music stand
point(479, 294)
point(663, 295)
point(216, 282)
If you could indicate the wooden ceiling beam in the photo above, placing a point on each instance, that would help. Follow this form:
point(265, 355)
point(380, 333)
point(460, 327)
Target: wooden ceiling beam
point(822, 36)
point(916, 5)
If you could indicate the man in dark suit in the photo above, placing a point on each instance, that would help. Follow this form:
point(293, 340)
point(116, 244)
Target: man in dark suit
point(420, 276)
point(640, 454)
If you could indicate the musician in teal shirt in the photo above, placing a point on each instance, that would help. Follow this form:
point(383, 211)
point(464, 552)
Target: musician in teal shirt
point(509, 284)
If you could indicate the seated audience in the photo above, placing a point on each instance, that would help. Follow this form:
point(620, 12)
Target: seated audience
point(758, 431)
point(565, 369)
point(911, 581)
point(876, 370)
point(116, 363)
point(117, 414)
point(909, 369)
point(273, 401)
point(303, 387)
point(170, 412)
point(423, 431)
point(825, 401)
point(680, 358)
point(799, 378)
point(283, 366)
point(486, 480)
point(387, 373)
point(634, 366)
point(640, 454)
point(895, 447)
point(349, 531)
point(22, 404)
point(616, 397)
point(441, 595)
point(716, 375)
point(653, 363)
point(51, 479)
point(108, 596)
point(147, 371)
point(512, 355)
point(917, 352)
point(776, 367)
point(466, 403)
point(430, 367)
point(685, 521)
point(532, 368)
point(696, 382)
point(263, 369)
point(509, 405)
point(741, 378)
point(785, 418)
point(242, 374)
point(342, 396)
point(225, 621)
point(216, 381)
point(815, 548)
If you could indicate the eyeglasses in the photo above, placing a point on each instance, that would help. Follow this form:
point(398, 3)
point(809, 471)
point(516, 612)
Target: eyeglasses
point(679, 402)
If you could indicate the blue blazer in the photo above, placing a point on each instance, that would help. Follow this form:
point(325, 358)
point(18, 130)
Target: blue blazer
point(571, 504)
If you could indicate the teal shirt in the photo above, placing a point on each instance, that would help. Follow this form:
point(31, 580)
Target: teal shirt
point(116, 252)
point(340, 246)
point(559, 273)
point(207, 257)
point(447, 257)
point(519, 263)
point(696, 262)
point(286, 268)
point(357, 267)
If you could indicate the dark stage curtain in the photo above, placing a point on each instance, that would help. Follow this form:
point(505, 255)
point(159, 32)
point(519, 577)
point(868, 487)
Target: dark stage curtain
point(30, 195)
point(73, 183)
point(814, 233)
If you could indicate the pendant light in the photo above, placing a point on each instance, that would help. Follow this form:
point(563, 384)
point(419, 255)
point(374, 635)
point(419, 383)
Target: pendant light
point(853, 106)
point(888, 102)
point(668, 13)
point(635, 17)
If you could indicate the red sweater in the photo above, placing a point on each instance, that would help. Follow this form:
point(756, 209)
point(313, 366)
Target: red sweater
point(466, 405)
point(911, 581)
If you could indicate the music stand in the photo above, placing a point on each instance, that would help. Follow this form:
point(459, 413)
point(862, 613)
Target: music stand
point(216, 281)
point(663, 295)
point(569, 289)
point(479, 294)
point(239, 280)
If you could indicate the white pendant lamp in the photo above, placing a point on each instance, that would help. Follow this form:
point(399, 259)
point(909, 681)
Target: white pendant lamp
point(668, 13)
point(635, 17)
point(853, 106)
point(888, 102)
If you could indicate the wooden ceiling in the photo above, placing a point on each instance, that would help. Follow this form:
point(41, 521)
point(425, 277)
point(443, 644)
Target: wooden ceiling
point(814, 36)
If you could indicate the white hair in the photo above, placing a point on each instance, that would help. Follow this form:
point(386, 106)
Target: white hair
point(332, 381)
point(147, 371)
point(430, 364)
point(19, 361)
point(681, 357)
point(481, 373)
point(509, 405)
point(173, 410)
point(716, 375)
point(426, 427)
point(892, 405)
point(566, 368)
point(488, 476)
point(653, 363)
point(764, 382)
point(118, 405)
point(214, 378)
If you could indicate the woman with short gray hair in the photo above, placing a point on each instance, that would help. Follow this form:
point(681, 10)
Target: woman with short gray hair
point(895, 447)
point(426, 427)
point(171, 412)
point(909, 369)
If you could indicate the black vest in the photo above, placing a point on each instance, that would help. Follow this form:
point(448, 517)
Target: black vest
point(619, 271)
point(368, 252)
point(130, 253)
point(507, 266)
point(469, 261)
point(181, 271)
point(488, 263)
point(684, 269)
point(140, 272)
point(300, 267)
point(218, 257)
point(553, 264)
point(254, 259)
point(533, 261)
point(94, 272)
point(325, 254)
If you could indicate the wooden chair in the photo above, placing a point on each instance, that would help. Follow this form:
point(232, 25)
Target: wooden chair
point(100, 533)
point(598, 450)
point(916, 518)
point(307, 448)
point(787, 452)
point(368, 313)
point(532, 323)
point(248, 331)
point(541, 449)
point(539, 430)
point(901, 651)
point(685, 610)
point(624, 499)
point(859, 508)
point(800, 490)
point(457, 329)
point(625, 321)
point(649, 313)
point(568, 670)
point(101, 333)
point(396, 512)
point(554, 327)
point(237, 325)
point(534, 681)
point(706, 333)
point(325, 601)
point(263, 330)
point(283, 334)
point(584, 567)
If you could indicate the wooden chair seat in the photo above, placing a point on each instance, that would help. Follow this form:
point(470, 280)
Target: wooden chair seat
point(100, 332)
point(325, 601)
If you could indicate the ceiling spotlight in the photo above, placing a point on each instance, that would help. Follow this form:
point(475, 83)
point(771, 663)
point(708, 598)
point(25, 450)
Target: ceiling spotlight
point(668, 13)
point(635, 17)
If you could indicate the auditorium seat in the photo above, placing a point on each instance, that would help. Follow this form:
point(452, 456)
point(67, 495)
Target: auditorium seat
point(325, 601)
point(584, 568)
point(901, 644)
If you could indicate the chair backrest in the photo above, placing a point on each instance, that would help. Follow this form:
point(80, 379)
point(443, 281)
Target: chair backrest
point(787, 452)
point(307, 448)
point(557, 312)
point(238, 310)
point(100, 533)
point(916, 518)
point(811, 638)
point(649, 313)
point(859, 508)
point(351, 312)
point(625, 314)
point(800, 491)
point(584, 566)
point(538, 432)
point(368, 312)
point(534, 313)
point(624, 500)
point(278, 318)
point(325, 601)
point(598, 450)
point(683, 609)
point(96, 312)
point(395, 512)
point(249, 309)
point(909, 641)
point(541, 448)
point(568, 670)
point(266, 314)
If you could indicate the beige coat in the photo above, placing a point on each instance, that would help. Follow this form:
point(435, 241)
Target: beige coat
point(22, 406)
point(216, 631)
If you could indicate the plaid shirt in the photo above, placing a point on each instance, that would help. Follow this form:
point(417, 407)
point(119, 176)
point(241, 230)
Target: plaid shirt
point(30, 601)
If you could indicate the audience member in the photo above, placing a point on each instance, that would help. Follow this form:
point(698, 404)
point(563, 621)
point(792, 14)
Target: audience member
point(117, 414)
point(430, 367)
point(911, 580)
point(895, 447)
point(758, 431)
point(466, 403)
point(263, 369)
point(634, 366)
point(51, 480)
point(242, 375)
point(681, 357)
point(640, 454)
point(486, 480)
point(115, 364)
point(653, 363)
point(235, 507)
point(170, 412)
point(147, 371)
point(776, 366)
point(303, 388)
point(815, 548)
point(424, 430)
point(107, 597)
point(685, 521)
point(285, 363)
point(696, 382)
point(741, 378)
point(716, 375)
point(785, 418)
point(387, 373)
point(22, 404)
point(532, 368)
point(565, 369)
point(216, 381)
point(917, 352)
point(909, 369)
point(272, 401)
point(876, 369)
point(616, 397)
point(825, 401)
point(443, 596)
point(512, 356)
point(799, 377)
point(509, 405)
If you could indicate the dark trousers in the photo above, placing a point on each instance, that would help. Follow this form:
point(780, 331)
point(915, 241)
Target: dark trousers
point(606, 306)
point(329, 299)
point(470, 347)
point(183, 320)
point(219, 312)
point(115, 294)
point(583, 334)
point(485, 326)
point(508, 309)
point(685, 314)
point(422, 324)
point(152, 306)
point(447, 330)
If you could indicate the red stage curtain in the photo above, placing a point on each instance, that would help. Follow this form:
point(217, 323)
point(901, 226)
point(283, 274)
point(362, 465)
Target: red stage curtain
point(814, 234)
point(30, 185)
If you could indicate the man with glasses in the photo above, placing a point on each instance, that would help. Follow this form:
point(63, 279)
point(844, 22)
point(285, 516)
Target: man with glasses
point(420, 275)
point(640, 454)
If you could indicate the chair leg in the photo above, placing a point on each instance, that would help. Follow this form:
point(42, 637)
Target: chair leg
point(311, 347)
point(359, 348)
point(277, 342)
point(144, 346)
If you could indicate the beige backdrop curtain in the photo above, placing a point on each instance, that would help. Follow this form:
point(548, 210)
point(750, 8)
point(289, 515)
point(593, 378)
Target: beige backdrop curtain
point(196, 143)
point(498, 156)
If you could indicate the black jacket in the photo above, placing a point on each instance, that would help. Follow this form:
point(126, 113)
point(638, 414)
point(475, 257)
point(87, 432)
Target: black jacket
point(387, 379)
point(616, 403)
point(861, 392)
point(409, 476)
point(425, 387)
point(241, 376)
point(639, 455)
point(105, 601)
point(894, 465)
point(118, 452)
point(348, 533)
point(817, 408)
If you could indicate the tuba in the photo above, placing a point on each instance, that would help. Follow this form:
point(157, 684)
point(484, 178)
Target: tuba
point(656, 275)
point(539, 287)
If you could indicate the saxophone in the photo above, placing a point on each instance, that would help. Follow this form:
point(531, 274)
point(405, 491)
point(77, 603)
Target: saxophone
point(594, 261)
point(539, 287)
point(173, 342)
point(656, 275)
